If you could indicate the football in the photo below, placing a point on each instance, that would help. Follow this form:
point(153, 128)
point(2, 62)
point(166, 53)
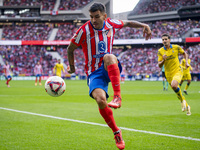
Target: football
point(55, 86)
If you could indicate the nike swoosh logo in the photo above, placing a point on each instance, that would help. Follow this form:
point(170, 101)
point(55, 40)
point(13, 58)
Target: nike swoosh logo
point(117, 84)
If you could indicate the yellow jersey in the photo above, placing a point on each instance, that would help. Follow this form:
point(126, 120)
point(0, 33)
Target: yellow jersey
point(59, 68)
point(171, 63)
point(183, 65)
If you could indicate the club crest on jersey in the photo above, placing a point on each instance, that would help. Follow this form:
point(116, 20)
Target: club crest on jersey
point(101, 47)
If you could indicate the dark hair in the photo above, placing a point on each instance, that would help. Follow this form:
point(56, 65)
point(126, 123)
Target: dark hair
point(97, 6)
point(165, 34)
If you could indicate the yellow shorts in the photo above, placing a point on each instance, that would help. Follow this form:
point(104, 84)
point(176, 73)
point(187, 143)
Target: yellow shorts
point(187, 76)
point(177, 76)
point(58, 74)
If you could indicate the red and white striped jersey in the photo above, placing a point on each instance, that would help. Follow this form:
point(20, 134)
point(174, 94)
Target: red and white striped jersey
point(38, 69)
point(96, 43)
point(7, 69)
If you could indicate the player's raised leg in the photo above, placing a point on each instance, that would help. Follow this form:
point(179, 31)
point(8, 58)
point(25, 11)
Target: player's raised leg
point(111, 65)
point(36, 81)
point(186, 87)
point(100, 96)
point(40, 80)
point(9, 78)
point(167, 85)
point(163, 84)
point(177, 90)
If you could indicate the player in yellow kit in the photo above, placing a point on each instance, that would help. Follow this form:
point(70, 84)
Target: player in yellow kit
point(168, 56)
point(186, 74)
point(58, 68)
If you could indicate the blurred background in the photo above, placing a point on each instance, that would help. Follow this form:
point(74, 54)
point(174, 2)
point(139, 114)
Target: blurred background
point(35, 30)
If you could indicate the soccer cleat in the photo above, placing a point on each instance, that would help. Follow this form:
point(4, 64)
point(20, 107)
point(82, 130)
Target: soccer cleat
point(116, 102)
point(185, 92)
point(35, 84)
point(8, 85)
point(119, 140)
point(163, 89)
point(188, 111)
point(183, 105)
point(40, 83)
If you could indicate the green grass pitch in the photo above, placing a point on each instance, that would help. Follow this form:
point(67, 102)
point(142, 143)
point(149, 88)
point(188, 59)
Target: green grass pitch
point(147, 114)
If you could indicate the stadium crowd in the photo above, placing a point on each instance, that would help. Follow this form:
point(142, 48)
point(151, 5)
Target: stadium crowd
point(65, 31)
point(48, 5)
point(175, 28)
point(72, 4)
point(39, 31)
point(138, 60)
point(27, 31)
point(22, 59)
point(156, 6)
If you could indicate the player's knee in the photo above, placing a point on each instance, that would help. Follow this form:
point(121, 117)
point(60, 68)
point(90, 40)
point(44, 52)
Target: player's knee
point(174, 86)
point(101, 101)
point(109, 59)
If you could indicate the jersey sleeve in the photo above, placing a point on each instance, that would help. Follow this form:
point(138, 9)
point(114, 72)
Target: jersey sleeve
point(191, 68)
point(77, 39)
point(55, 67)
point(180, 50)
point(117, 24)
point(160, 58)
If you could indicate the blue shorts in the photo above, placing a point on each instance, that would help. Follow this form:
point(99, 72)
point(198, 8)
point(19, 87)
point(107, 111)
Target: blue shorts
point(100, 79)
point(38, 75)
point(8, 77)
point(122, 75)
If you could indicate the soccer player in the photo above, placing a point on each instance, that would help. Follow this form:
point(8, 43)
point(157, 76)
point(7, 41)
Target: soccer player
point(7, 73)
point(101, 66)
point(186, 74)
point(38, 73)
point(168, 56)
point(123, 73)
point(164, 79)
point(58, 68)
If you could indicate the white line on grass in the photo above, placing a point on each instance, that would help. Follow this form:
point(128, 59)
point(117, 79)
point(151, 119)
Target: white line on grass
point(104, 125)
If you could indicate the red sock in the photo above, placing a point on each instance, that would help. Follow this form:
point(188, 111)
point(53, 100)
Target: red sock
point(39, 79)
point(9, 80)
point(36, 80)
point(114, 75)
point(107, 114)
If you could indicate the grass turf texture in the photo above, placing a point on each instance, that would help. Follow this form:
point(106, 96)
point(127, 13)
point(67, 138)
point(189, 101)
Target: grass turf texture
point(145, 107)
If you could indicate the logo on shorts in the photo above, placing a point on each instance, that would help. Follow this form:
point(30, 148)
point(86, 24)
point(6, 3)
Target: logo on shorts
point(101, 47)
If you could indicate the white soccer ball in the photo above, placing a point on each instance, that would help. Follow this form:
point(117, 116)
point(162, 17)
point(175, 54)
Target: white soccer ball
point(55, 86)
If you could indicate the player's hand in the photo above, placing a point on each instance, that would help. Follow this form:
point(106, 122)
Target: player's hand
point(71, 69)
point(164, 57)
point(147, 32)
point(187, 65)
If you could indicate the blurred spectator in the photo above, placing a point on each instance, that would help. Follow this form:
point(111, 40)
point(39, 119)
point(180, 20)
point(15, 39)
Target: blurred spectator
point(27, 31)
point(46, 4)
point(41, 31)
point(156, 6)
point(72, 4)
point(65, 31)
point(24, 58)
point(140, 60)
point(175, 28)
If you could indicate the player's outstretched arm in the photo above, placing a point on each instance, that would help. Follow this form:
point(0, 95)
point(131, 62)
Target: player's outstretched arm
point(70, 55)
point(136, 24)
point(186, 59)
